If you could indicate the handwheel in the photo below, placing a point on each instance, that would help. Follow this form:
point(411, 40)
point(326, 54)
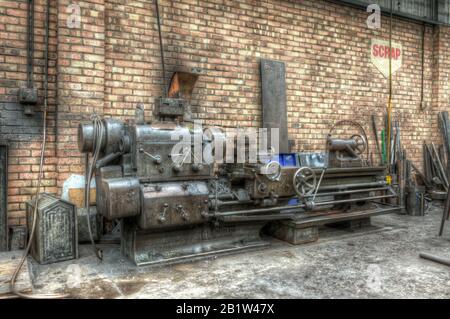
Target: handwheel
point(361, 144)
point(272, 171)
point(305, 181)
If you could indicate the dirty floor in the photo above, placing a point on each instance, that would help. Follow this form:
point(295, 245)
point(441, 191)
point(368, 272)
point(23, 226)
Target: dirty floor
point(377, 262)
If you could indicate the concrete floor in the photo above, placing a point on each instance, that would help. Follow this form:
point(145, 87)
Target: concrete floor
point(376, 262)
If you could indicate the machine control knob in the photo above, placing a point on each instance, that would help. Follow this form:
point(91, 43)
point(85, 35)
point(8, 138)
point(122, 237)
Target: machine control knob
point(309, 205)
point(162, 214)
point(156, 158)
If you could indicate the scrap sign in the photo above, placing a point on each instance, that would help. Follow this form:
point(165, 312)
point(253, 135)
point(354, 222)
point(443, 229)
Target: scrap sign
point(380, 53)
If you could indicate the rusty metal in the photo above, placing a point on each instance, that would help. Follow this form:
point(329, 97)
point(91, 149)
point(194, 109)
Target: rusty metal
point(304, 181)
point(28, 95)
point(186, 244)
point(121, 197)
point(174, 207)
point(274, 107)
point(96, 224)
point(182, 83)
point(347, 152)
point(173, 204)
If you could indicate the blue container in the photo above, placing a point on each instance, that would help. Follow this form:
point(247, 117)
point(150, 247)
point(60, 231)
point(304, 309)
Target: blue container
point(286, 159)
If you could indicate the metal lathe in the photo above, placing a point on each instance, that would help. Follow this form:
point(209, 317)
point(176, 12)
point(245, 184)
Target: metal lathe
point(172, 210)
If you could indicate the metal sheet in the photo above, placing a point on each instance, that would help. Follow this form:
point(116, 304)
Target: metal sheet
point(274, 109)
point(3, 197)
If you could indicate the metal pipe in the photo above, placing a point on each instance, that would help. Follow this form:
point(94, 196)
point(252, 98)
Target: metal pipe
point(437, 259)
point(161, 47)
point(30, 44)
point(353, 191)
point(257, 217)
point(422, 86)
point(346, 186)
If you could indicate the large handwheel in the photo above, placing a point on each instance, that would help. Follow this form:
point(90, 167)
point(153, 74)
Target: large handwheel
point(304, 181)
point(361, 144)
point(362, 133)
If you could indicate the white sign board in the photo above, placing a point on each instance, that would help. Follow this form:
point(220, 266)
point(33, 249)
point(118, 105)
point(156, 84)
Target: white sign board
point(380, 53)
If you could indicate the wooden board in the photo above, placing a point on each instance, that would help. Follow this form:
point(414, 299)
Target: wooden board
point(76, 197)
point(8, 263)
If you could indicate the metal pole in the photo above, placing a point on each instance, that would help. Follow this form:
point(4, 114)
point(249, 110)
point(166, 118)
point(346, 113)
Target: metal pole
point(389, 108)
point(436, 259)
point(161, 47)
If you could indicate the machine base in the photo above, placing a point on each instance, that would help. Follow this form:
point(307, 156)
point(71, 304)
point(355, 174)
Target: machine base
point(305, 228)
point(353, 224)
point(168, 247)
point(296, 234)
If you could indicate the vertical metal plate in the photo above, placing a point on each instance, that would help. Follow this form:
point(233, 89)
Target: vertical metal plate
point(3, 197)
point(274, 109)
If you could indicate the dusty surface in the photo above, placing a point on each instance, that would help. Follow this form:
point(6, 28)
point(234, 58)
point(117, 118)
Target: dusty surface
point(377, 262)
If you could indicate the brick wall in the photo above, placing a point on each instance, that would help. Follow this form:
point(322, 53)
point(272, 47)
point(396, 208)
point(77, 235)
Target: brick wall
point(81, 78)
point(24, 132)
point(112, 62)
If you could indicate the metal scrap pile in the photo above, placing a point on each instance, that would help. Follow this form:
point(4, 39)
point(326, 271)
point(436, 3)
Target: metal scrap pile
point(435, 162)
point(433, 181)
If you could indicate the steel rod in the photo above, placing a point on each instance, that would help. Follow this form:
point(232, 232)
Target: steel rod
point(277, 209)
point(345, 186)
point(353, 191)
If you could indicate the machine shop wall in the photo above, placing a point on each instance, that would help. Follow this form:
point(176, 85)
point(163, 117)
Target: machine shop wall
point(22, 132)
point(325, 47)
point(112, 62)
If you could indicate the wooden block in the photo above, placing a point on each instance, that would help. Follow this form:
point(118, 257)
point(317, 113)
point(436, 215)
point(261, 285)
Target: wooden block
point(76, 197)
point(291, 233)
point(8, 264)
